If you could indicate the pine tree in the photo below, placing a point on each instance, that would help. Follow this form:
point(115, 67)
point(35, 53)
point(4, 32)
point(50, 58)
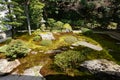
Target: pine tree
point(14, 16)
point(36, 8)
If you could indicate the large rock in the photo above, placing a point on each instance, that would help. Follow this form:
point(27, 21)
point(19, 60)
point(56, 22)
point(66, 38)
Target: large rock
point(47, 36)
point(8, 66)
point(2, 35)
point(102, 66)
point(89, 45)
point(33, 71)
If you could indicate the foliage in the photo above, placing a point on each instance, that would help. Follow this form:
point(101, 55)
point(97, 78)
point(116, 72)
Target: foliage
point(69, 60)
point(3, 48)
point(8, 40)
point(36, 8)
point(112, 25)
point(86, 31)
point(14, 16)
point(37, 32)
point(51, 22)
point(80, 23)
point(45, 42)
point(70, 39)
point(92, 25)
point(59, 25)
point(16, 49)
point(36, 38)
point(67, 26)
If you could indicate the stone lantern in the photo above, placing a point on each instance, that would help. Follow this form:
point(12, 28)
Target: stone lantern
point(42, 24)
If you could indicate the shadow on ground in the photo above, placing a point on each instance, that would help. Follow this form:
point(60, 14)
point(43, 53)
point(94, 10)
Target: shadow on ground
point(20, 77)
point(100, 76)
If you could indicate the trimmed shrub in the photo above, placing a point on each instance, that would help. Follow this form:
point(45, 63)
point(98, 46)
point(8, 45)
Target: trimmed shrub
point(69, 60)
point(8, 40)
point(3, 48)
point(59, 25)
point(67, 27)
point(112, 25)
point(36, 38)
point(37, 32)
point(86, 31)
point(46, 42)
point(70, 39)
point(16, 49)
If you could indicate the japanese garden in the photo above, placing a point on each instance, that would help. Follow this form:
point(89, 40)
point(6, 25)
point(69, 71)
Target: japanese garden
point(59, 39)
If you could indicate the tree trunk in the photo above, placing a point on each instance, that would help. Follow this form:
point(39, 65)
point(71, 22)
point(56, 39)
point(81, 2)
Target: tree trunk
point(28, 19)
point(13, 32)
point(10, 11)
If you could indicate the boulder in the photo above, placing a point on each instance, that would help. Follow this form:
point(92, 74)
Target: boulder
point(86, 44)
point(47, 36)
point(102, 66)
point(33, 71)
point(8, 66)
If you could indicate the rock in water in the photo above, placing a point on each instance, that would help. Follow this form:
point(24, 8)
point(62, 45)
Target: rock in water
point(102, 66)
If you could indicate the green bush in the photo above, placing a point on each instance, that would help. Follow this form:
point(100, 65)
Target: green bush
point(8, 40)
point(3, 48)
point(37, 32)
point(16, 49)
point(59, 25)
point(70, 39)
point(69, 60)
point(67, 26)
point(46, 42)
point(36, 38)
point(86, 31)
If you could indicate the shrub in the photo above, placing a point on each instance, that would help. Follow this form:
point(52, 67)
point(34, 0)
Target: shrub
point(67, 26)
point(69, 60)
point(8, 40)
point(37, 32)
point(51, 23)
point(46, 42)
point(16, 49)
point(86, 31)
point(36, 38)
point(70, 39)
point(112, 25)
point(3, 48)
point(59, 25)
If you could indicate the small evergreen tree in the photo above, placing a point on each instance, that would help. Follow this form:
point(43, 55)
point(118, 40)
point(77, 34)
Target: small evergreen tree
point(14, 16)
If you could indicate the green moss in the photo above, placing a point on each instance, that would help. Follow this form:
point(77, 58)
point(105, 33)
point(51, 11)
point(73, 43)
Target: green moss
point(46, 43)
point(70, 39)
point(108, 43)
point(32, 60)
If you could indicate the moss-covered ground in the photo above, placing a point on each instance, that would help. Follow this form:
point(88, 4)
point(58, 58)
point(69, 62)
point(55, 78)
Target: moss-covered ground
point(49, 70)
